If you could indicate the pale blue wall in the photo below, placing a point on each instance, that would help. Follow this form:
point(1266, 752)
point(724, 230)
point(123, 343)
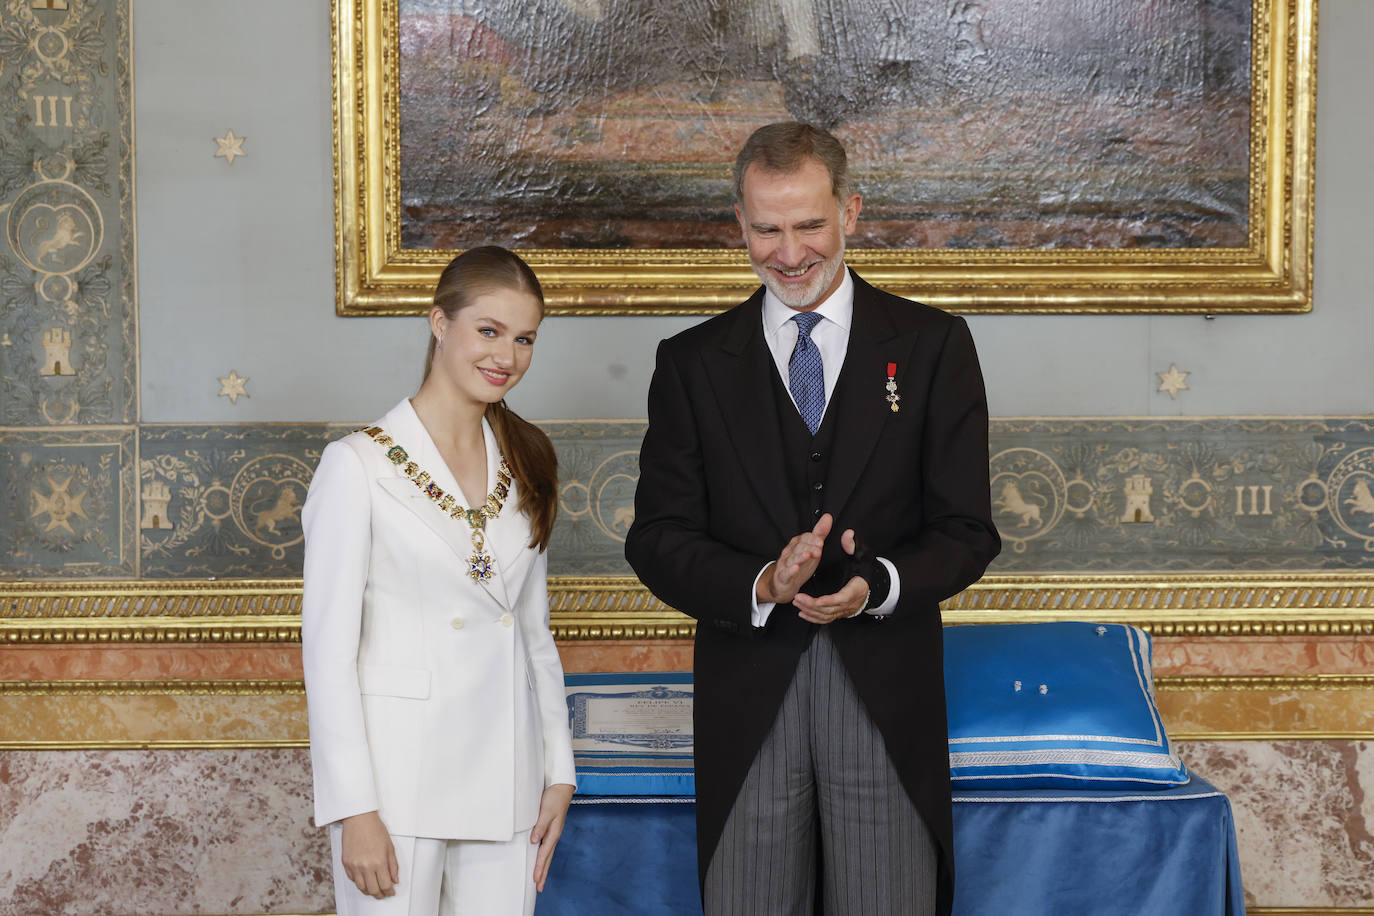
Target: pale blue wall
point(236, 262)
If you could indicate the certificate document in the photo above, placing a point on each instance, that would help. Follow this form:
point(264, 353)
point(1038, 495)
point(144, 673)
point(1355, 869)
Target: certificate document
point(632, 732)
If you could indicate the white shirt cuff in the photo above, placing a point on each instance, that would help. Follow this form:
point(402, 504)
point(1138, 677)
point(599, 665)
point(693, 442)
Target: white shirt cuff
point(759, 609)
point(890, 605)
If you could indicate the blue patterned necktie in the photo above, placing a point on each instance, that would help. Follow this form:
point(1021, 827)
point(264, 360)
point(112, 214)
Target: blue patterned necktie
point(805, 377)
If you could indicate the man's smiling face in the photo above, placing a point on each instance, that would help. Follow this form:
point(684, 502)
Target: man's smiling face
point(795, 231)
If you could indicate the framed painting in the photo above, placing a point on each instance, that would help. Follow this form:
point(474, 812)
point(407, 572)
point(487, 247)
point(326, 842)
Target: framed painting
point(1013, 155)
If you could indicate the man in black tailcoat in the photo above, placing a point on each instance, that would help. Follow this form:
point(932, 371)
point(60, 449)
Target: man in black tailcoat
point(814, 480)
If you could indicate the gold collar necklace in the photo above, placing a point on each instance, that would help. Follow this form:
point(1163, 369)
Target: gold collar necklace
point(481, 569)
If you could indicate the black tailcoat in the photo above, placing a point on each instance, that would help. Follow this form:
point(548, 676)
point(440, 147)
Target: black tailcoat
point(713, 507)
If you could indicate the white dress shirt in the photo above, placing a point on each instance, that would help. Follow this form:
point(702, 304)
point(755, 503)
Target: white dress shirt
point(831, 337)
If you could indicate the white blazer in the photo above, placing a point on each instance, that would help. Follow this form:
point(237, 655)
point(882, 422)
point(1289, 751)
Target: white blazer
point(434, 700)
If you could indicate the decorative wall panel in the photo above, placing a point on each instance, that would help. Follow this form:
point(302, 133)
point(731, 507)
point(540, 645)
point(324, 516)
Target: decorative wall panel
point(1088, 495)
point(68, 317)
point(67, 504)
point(1161, 495)
point(225, 501)
point(1083, 495)
point(598, 467)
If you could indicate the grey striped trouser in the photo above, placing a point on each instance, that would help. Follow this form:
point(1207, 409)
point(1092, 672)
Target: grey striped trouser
point(822, 777)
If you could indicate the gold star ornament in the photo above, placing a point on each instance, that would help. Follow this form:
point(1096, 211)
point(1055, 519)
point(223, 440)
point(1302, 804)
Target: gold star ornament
point(229, 147)
point(58, 505)
point(232, 386)
point(1172, 381)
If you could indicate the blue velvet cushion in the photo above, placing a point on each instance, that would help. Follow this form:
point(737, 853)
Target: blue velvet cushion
point(1040, 705)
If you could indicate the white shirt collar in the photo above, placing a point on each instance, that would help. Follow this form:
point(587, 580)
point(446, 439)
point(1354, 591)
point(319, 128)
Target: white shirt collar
point(837, 307)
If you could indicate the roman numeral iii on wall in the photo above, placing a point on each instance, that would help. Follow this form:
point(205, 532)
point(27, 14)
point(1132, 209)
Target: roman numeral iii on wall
point(1255, 497)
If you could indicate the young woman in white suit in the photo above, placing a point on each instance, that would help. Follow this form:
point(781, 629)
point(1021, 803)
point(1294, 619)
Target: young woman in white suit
point(438, 726)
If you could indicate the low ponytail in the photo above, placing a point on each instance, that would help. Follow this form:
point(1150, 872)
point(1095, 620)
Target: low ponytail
point(534, 464)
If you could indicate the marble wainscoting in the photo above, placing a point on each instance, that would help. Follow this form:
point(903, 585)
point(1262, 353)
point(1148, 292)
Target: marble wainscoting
point(228, 831)
point(1256, 687)
point(157, 833)
point(585, 656)
point(152, 662)
point(1258, 655)
point(255, 661)
point(1304, 814)
point(205, 695)
point(171, 779)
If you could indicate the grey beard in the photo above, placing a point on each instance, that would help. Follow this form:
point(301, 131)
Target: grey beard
point(810, 295)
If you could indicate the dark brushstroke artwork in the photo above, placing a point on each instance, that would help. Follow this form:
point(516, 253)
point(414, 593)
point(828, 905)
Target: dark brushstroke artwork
point(987, 124)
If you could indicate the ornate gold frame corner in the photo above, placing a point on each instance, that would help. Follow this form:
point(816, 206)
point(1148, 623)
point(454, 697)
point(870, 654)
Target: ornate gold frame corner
point(1272, 273)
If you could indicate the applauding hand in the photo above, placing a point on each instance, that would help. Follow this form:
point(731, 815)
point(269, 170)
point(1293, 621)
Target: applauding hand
point(846, 602)
point(796, 563)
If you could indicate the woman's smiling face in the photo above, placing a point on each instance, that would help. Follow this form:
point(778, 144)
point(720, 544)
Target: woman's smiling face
point(487, 345)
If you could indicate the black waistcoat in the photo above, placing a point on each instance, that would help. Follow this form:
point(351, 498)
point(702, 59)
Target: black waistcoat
point(807, 457)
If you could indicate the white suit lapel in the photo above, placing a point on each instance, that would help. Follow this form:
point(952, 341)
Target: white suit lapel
point(404, 426)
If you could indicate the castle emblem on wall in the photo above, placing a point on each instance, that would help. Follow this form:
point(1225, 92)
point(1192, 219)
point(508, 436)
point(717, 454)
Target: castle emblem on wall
point(156, 496)
point(1138, 490)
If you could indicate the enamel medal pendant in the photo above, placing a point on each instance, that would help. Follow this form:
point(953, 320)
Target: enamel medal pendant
point(892, 396)
point(480, 567)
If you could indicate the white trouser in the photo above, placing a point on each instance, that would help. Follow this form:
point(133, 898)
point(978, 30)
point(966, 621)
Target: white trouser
point(446, 878)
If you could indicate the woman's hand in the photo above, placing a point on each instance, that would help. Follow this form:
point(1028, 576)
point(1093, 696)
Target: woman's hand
point(553, 812)
point(369, 859)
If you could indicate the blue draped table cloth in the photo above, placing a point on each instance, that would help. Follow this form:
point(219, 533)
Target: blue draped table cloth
point(1169, 852)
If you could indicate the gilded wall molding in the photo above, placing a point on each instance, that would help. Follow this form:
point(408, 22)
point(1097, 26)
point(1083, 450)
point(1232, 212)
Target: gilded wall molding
point(106, 706)
point(1278, 683)
point(164, 687)
point(134, 630)
point(619, 607)
point(144, 598)
point(104, 744)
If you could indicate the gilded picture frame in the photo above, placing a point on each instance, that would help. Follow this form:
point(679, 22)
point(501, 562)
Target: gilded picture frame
point(1265, 267)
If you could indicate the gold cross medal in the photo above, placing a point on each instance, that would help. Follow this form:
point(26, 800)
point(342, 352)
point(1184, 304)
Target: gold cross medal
point(892, 396)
